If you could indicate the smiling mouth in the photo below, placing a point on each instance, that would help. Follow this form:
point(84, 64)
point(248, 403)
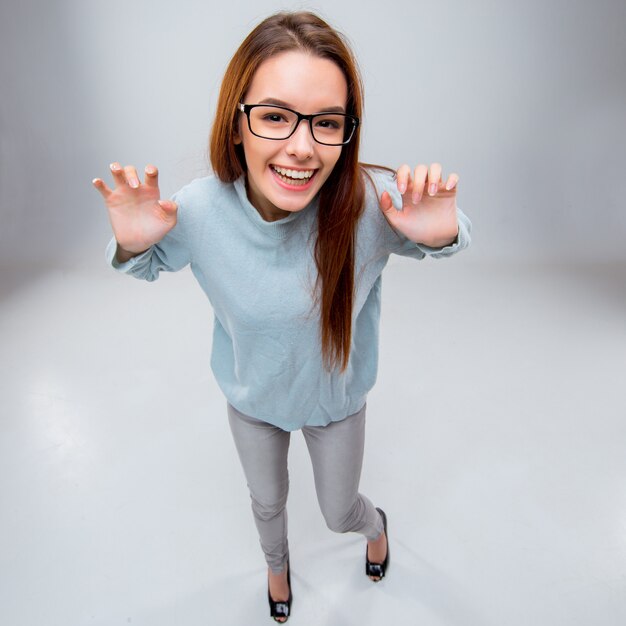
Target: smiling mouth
point(297, 178)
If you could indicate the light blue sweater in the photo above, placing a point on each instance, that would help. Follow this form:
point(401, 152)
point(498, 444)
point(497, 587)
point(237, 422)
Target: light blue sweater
point(259, 277)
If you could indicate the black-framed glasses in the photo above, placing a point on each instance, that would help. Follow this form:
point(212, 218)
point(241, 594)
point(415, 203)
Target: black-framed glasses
point(271, 121)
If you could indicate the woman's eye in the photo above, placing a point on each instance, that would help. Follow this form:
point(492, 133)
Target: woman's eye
point(329, 124)
point(273, 117)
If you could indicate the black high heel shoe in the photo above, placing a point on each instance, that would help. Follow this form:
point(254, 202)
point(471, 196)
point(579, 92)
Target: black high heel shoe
point(378, 569)
point(281, 608)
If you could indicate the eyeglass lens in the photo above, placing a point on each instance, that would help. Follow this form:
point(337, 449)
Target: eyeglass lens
point(275, 123)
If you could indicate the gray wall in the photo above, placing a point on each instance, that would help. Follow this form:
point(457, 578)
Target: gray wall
point(526, 101)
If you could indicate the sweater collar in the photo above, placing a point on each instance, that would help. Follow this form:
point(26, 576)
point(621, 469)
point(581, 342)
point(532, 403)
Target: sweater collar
point(278, 229)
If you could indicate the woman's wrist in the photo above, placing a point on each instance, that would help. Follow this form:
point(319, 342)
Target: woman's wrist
point(122, 255)
point(442, 242)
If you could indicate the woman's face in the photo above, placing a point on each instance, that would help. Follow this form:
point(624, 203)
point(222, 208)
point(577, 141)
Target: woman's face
point(307, 84)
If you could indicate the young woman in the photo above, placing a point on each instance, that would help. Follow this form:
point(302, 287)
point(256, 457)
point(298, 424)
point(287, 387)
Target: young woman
point(288, 239)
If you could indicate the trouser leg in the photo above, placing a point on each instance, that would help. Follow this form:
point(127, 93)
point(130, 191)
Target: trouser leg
point(337, 456)
point(262, 450)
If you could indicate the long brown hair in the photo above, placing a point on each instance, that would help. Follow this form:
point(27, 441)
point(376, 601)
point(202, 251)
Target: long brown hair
point(341, 198)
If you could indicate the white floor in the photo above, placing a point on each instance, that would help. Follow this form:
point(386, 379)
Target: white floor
point(496, 444)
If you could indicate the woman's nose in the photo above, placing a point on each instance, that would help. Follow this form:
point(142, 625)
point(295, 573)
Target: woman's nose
point(301, 144)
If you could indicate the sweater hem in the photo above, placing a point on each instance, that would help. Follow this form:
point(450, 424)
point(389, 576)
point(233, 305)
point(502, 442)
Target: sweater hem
point(353, 405)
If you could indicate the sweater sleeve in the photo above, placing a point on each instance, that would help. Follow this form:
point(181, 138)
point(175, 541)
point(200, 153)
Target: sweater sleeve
point(170, 254)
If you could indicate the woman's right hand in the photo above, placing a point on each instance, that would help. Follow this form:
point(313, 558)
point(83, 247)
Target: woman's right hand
point(138, 217)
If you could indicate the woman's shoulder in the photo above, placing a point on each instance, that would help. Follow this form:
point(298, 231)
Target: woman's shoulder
point(204, 199)
point(377, 178)
point(370, 226)
point(204, 191)
point(374, 229)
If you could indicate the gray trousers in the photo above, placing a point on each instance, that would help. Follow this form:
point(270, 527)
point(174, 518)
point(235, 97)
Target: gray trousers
point(336, 452)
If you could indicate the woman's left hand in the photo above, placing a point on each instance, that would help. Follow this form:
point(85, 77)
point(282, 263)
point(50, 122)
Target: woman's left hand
point(428, 214)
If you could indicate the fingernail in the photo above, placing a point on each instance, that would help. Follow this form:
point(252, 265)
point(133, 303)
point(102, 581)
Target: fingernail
point(133, 183)
point(432, 190)
point(150, 170)
point(114, 167)
point(402, 187)
point(449, 185)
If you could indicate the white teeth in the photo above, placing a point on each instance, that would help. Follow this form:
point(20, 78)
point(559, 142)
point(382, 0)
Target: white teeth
point(294, 173)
